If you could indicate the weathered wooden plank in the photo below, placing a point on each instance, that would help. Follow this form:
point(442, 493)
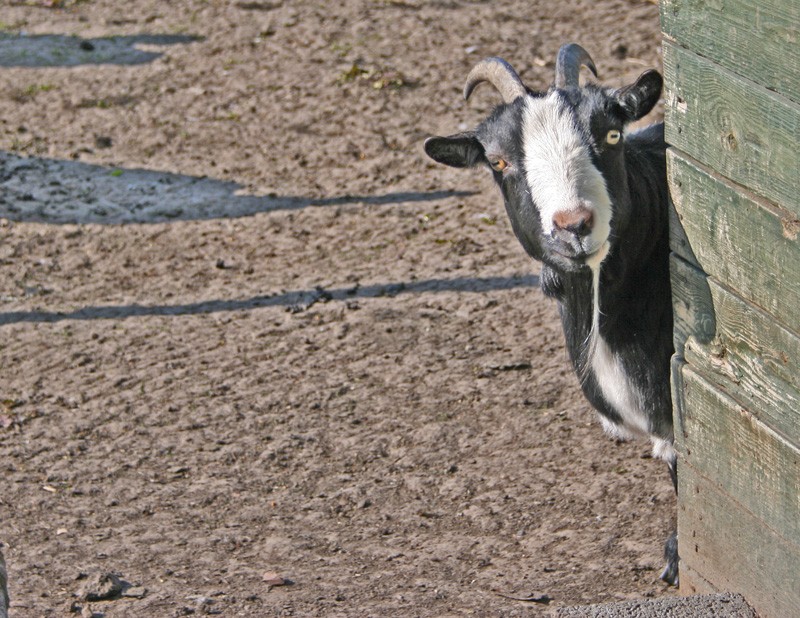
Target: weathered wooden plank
point(692, 306)
point(693, 582)
point(676, 388)
point(745, 242)
point(732, 125)
point(749, 461)
point(757, 39)
point(678, 242)
point(754, 359)
point(730, 547)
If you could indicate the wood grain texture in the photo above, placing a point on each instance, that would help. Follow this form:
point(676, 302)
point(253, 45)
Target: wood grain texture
point(757, 39)
point(724, 543)
point(744, 242)
point(677, 363)
point(754, 359)
point(678, 242)
point(694, 583)
point(743, 131)
point(745, 458)
point(692, 304)
point(732, 75)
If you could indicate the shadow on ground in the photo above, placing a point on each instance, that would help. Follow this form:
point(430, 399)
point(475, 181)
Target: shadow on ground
point(58, 50)
point(57, 191)
point(296, 301)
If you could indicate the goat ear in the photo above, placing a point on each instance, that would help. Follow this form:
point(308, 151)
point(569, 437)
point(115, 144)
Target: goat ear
point(461, 150)
point(642, 95)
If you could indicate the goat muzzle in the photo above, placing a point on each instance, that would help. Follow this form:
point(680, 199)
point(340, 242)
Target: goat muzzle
point(579, 221)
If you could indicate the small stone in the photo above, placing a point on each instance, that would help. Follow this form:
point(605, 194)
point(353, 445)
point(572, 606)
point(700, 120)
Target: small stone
point(100, 586)
point(273, 579)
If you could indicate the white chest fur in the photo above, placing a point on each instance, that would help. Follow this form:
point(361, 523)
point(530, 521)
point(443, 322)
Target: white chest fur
point(618, 390)
point(627, 401)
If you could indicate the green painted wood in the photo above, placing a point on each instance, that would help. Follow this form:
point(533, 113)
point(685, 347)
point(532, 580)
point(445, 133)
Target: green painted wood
point(730, 547)
point(755, 360)
point(745, 458)
point(677, 363)
point(678, 242)
point(692, 306)
point(732, 72)
point(730, 124)
point(757, 39)
point(742, 241)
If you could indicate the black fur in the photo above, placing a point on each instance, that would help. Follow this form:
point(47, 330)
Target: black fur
point(635, 296)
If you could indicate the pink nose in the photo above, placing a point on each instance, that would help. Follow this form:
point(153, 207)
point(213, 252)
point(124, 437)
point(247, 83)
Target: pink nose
point(578, 221)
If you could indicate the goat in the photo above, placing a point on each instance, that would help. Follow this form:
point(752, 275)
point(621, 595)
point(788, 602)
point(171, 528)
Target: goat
point(591, 203)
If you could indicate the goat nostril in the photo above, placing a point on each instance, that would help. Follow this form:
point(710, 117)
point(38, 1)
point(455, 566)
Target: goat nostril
point(579, 221)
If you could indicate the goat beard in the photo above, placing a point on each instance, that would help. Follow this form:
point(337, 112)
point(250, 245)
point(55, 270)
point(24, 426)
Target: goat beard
point(594, 262)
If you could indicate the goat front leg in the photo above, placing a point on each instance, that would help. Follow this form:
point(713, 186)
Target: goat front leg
point(3, 586)
point(670, 572)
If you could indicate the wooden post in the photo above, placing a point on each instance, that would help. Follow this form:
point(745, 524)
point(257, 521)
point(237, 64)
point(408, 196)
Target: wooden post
point(732, 74)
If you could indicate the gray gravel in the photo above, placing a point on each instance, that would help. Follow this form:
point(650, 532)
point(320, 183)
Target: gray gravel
point(722, 605)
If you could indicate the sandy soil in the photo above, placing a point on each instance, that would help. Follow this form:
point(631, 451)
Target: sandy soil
point(247, 329)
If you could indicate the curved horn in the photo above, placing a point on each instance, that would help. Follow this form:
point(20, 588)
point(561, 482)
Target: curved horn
point(499, 74)
point(568, 65)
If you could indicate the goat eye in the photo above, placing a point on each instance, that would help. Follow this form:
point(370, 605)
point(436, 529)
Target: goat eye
point(498, 165)
point(613, 137)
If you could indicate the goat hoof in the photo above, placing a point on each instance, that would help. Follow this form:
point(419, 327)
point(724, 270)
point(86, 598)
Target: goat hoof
point(670, 572)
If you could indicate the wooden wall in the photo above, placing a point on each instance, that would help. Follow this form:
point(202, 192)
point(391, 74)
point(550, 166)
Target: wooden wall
point(732, 70)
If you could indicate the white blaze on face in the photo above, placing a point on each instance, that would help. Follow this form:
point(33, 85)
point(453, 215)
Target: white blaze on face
point(562, 178)
point(559, 169)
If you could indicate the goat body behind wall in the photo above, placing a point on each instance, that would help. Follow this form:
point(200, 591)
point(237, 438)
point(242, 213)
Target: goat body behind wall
point(591, 203)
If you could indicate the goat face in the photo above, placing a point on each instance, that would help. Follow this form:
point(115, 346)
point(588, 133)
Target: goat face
point(558, 158)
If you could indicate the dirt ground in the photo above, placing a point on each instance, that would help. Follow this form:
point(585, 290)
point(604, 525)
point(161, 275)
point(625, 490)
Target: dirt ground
point(250, 335)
